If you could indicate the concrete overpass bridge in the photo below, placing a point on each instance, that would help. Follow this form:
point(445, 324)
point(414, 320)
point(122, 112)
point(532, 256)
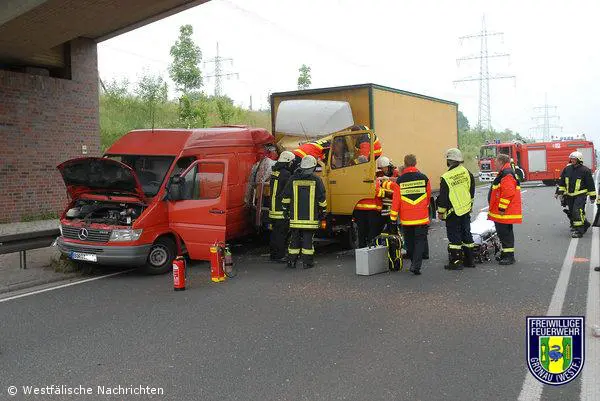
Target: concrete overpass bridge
point(49, 90)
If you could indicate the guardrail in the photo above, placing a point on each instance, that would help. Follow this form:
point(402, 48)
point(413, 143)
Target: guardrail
point(24, 242)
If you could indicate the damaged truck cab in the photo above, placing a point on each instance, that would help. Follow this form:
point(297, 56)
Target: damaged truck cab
point(160, 193)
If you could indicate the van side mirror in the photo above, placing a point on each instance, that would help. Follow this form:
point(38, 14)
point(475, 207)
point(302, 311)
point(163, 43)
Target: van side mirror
point(174, 191)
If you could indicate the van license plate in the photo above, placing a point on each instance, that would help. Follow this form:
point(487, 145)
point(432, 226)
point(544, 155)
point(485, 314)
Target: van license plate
point(86, 257)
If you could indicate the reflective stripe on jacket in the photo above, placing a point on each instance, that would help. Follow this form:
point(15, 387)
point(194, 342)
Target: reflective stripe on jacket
point(374, 203)
point(304, 198)
point(575, 180)
point(412, 203)
point(315, 149)
point(505, 198)
point(279, 178)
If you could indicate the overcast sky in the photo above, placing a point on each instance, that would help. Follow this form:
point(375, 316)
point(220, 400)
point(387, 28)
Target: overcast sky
point(410, 45)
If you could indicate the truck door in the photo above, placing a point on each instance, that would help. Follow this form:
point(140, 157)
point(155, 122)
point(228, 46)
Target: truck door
point(200, 217)
point(350, 171)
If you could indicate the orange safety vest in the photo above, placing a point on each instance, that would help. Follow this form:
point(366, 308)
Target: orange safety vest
point(374, 203)
point(315, 149)
point(505, 198)
point(412, 202)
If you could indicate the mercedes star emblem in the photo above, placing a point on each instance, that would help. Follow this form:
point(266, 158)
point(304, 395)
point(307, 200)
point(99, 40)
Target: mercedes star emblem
point(83, 234)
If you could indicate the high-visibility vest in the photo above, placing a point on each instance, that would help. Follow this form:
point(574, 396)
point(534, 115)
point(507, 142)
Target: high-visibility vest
point(412, 204)
point(458, 180)
point(304, 197)
point(505, 198)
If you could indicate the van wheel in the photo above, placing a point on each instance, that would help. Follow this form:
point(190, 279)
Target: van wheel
point(160, 257)
point(350, 240)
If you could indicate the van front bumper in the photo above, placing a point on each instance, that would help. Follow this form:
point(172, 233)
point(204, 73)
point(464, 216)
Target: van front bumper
point(487, 176)
point(108, 255)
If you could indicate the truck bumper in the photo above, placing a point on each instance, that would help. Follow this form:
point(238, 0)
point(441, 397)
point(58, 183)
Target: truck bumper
point(108, 255)
point(487, 176)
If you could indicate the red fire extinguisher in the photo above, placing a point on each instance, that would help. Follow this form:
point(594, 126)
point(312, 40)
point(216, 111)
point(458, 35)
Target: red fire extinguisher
point(179, 273)
point(217, 253)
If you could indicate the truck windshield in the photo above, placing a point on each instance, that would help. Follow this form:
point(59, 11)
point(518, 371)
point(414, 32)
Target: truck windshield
point(488, 152)
point(151, 170)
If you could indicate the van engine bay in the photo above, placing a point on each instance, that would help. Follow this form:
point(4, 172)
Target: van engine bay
point(111, 213)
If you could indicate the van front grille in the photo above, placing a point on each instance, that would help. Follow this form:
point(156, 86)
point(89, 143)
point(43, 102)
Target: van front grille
point(93, 234)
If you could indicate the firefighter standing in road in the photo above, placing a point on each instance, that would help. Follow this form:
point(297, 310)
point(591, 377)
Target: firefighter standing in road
point(412, 206)
point(304, 203)
point(575, 185)
point(281, 172)
point(457, 191)
point(505, 207)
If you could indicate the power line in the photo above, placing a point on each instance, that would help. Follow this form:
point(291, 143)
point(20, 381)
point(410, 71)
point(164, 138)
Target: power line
point(218, 73)
point(484, 119)
point(546, 126)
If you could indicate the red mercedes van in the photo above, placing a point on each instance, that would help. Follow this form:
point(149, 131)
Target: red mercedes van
point(158, 193)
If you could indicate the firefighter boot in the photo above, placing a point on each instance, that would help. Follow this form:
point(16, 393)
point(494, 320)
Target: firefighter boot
point(507, 258)
point(291, 262)
point(468, 257)
point(454, 260)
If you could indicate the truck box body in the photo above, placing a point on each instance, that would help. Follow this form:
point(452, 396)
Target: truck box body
point(404, 122)
point(538, 161)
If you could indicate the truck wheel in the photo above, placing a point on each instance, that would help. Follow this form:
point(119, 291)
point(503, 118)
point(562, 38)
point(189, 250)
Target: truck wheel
point(160, 257)
point(549, 183)
point(351, 236)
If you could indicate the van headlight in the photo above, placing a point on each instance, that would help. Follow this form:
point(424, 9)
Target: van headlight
point(125, 235)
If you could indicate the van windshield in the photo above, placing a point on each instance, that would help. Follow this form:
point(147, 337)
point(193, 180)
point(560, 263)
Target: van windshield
point(151, 170)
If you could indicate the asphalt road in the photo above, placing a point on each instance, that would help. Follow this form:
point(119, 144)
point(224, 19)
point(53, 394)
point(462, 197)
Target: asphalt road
point(321, 334)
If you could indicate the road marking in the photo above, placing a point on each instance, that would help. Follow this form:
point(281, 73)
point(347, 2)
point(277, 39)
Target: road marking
point(484, 209)
point(590, 385)
point(523, 191)
point(57, 287)
point(532, 388)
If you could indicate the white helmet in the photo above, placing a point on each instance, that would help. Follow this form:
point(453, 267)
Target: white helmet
point(286, 156)
point(383, 162)
point(308, 161)
point(576, 155)
point(454, 155)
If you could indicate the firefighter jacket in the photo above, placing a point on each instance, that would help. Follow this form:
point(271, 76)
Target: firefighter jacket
point(280, 176)
point(364, 148)
point(575, 180)
point(412, 202)
point(304, 200)
point(315, 149)
point(505, 197)
point(374, 203)
point(457, 191)
point(388, 191)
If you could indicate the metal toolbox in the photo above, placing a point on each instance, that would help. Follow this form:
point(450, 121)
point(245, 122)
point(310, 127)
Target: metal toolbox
point(371, 260)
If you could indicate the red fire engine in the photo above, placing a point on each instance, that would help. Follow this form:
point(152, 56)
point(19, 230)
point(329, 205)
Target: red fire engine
point(539, 161)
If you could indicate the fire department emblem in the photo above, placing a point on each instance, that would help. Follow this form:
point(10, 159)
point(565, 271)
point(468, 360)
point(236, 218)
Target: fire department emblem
point(555, 348)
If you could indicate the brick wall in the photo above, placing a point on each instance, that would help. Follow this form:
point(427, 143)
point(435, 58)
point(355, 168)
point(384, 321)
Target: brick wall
point(43, 122)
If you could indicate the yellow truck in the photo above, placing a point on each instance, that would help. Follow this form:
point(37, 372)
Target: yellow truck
point(404, 122)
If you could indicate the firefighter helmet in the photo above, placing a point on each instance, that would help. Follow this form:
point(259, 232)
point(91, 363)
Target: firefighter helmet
point(576, 155)
point(308, 162)
point(286, 156)
point(383, 162)
point(454, 154)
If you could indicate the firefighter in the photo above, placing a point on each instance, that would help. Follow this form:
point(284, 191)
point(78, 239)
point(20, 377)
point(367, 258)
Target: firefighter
point(318, 149)
point(385, 171)
point(363, 144)
point(575, 185)
point(304, 204)
point(386, 168)
point(280, 175)
point(505, 207)
point(457, 191)
point(412, 206)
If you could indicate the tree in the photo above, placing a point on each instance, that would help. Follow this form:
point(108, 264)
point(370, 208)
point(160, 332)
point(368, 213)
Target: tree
point(117, 90)
point(184, 70)
point(225, 109)
point(152, 90)
point(463, 122)
point(304, 80)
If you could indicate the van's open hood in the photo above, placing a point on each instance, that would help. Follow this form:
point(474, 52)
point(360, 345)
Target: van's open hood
point(97, 174)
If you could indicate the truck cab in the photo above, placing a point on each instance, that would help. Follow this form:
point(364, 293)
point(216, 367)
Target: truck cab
point(159, 193)
point(487, 159)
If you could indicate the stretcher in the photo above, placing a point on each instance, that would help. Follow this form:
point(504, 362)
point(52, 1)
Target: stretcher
point(487, 243)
